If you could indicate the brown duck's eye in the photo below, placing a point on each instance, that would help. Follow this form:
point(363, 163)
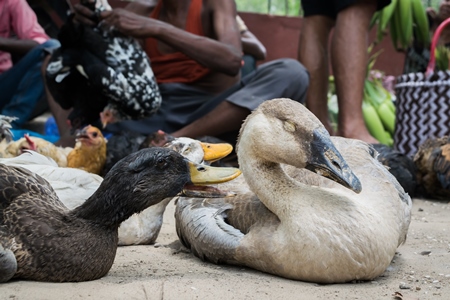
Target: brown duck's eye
point(95, 134)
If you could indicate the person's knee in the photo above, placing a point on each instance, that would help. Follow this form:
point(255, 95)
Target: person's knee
point(295, 75)
point(51, 44)
point(291, 69)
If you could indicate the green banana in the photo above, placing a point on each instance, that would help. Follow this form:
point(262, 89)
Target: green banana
point(386, 116)
point(405, 22)
point(374, 124)
point(422, 27)
point(375, 19)
point(390, 104)
point(385, 17)
point(393, 31)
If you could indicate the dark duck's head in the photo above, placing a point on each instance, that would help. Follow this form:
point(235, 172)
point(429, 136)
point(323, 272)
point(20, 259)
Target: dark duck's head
point(145, 178)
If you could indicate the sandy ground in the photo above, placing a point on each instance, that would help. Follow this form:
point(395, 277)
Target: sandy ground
point(421, 267)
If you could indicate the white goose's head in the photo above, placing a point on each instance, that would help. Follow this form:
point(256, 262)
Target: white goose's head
point(284, 131)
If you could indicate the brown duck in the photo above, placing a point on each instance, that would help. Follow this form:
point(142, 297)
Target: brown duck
point(41, 239)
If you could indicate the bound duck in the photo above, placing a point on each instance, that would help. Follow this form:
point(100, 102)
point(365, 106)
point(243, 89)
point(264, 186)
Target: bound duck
point(40, 239)
point(296, 223)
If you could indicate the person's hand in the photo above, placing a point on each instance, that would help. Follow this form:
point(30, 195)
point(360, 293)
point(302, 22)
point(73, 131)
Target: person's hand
point(126, 22)
point(85, 15)
point(444, 10)
point(431, 12)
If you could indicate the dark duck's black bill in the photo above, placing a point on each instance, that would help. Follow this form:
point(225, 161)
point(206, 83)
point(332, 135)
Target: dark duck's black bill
point(328, 162)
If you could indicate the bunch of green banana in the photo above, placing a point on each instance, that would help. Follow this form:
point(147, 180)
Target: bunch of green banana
point(379, 111)
point(406, 21)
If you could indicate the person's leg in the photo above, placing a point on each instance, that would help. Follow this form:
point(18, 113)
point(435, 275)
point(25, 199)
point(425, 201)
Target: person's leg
point(66, 139)
point(313, 54)
point(29, 88)
point(283, 78)
point(224, 118)
point(349, 60)
point(9, 82)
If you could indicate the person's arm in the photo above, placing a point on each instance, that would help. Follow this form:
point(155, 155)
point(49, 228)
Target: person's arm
point(251, 45)
point(223, 54)
point(24, 24)
point(15, 46)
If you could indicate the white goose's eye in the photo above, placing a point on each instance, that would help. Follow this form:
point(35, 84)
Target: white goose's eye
point(289, 126)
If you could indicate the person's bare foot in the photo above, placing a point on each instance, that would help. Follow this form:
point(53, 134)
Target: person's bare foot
point(362, 135)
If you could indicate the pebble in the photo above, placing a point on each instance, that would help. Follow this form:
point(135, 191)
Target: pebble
point(404, 286)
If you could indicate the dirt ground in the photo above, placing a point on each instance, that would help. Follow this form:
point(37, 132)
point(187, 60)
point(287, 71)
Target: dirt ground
point(420, 270)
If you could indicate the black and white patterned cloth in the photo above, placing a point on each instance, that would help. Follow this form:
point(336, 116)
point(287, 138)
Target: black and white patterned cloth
point(97, 67)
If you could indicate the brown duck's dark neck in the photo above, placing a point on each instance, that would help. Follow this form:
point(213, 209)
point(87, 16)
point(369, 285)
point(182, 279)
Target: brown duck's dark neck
point(107, 207)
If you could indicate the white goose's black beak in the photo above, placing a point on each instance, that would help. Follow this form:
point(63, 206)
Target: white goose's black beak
point(328, 162)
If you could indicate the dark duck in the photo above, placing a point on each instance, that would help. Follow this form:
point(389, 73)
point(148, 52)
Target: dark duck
point(98, 71)
point(41, 239)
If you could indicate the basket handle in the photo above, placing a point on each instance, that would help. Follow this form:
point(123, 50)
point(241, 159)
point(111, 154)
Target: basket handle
point(437, 33)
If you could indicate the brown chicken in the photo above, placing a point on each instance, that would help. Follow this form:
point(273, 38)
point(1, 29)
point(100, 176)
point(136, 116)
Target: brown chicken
point(89, 153)
point(433, 168)
point(13, 149)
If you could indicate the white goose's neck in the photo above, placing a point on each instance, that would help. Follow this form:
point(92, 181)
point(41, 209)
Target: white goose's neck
point(272, 185)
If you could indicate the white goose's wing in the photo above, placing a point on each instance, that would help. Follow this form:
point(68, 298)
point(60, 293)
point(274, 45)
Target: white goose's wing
point(202, 228)
point(213, 229)
point(362, 159)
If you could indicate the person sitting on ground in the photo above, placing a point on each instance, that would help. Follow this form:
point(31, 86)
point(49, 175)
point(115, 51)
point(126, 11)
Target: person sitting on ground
point(195, 52)
point(252, 47)
point(21, 84)
point(350, 20)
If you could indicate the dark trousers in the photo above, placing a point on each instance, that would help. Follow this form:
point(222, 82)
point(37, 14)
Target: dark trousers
point(182, 104)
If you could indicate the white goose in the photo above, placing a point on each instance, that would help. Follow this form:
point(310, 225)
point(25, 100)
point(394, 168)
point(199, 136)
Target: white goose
point(298, 224)
point(74, 186)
